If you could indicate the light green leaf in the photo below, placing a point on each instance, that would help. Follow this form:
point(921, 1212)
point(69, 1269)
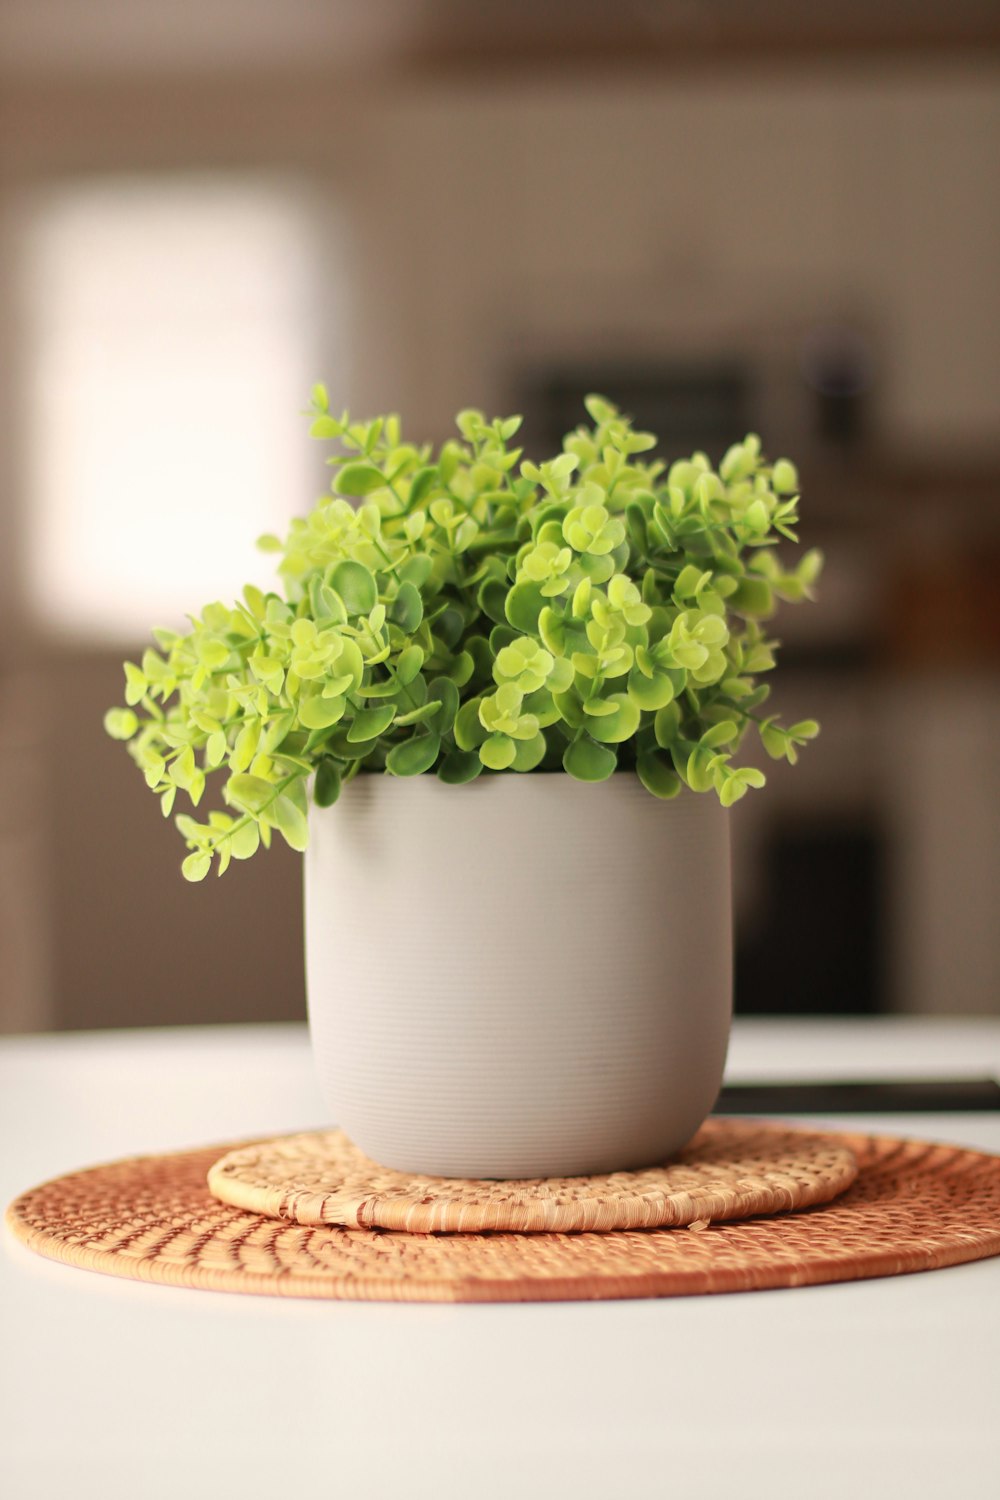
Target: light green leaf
point(469, 731)
point(497, 752)
point(245, 840)
point(290, 822)
point(251, 793)
point(121, 724)
point(619, 725)
point(528, 753)
point(196, 866)
point(359, 479)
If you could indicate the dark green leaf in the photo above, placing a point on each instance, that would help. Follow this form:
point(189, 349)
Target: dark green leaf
point(446, 693)
point(523, 606)
point(327, 786)
point(586, 761)
point(492, 597)
point(413, 756)
point(469, 732)
point(356, 586)
point(416, 570)
point(407, 609)
point(657, 775)
point(369, 723)
point(528, 753)
point(459, 767)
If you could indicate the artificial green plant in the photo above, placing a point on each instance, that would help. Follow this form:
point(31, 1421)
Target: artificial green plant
point(469, 611)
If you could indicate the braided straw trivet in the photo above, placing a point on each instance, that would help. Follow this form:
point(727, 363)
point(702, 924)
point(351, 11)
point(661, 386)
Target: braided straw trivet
point(732, 1170)
point(914, 1207)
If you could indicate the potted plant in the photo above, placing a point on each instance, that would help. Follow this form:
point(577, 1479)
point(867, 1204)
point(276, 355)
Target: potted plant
point(524, 687)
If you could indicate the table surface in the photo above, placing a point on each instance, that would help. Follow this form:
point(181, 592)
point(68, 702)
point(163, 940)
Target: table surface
point(112, 1388)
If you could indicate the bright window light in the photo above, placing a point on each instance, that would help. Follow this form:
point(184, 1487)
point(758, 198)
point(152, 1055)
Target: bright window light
point(172, 342)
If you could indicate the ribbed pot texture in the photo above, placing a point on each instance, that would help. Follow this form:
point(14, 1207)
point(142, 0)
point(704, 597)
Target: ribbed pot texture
point(526, 976)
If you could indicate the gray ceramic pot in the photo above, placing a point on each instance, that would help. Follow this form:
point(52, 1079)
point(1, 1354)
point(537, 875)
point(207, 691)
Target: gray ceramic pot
point(522, 977)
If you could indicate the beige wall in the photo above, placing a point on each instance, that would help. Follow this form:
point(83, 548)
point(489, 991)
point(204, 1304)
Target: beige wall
point(490, 227)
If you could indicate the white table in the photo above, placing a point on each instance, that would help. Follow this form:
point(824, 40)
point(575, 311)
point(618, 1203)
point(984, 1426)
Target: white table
point(115, 1389)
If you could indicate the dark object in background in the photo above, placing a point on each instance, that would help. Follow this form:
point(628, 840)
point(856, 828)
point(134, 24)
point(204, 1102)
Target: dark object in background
point(838, 366)
point(937, 1095)
point(689, 406)
point(818, 948)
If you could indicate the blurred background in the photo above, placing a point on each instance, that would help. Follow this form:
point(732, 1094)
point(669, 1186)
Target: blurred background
point(724, 216)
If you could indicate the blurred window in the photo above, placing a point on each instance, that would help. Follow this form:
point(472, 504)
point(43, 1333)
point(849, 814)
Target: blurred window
point(171, 340)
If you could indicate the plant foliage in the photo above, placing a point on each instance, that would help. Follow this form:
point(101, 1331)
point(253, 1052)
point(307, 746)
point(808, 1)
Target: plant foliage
point(468, 611)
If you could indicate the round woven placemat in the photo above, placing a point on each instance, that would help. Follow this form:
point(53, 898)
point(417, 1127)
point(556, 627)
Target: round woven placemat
point(733, 1169)
point(913, 1207)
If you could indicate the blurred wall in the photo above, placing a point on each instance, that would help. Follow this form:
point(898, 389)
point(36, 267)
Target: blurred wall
point(496, 228)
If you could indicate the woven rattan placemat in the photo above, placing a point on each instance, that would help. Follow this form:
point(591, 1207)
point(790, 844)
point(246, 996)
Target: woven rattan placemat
point(914, 1207)
point(734, 1169)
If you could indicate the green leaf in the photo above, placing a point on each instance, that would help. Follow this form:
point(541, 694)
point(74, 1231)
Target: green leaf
point(136, 684)
point(529, 753)
point(586, 761)
point(523, 606)
point(325, 427)
point(699, 771)
point(120, 724)
point(491, 598)
point(719, 734)
point(657, 775)
point(251, 793)
point(650, 693)
point(784, 478)
point(196, 866)
point(318, 712)
point(356, 586)
point(621, 724)
point(369, 723)
point(407, 609)
point(326, 788)
point(245, 840)
point(421, 715)
point(469, 731)
point(413, 756)
point(497, 752)
point(570, 708)
point(459, 766)
point(408, 664)
point(359, 479)
point(754, 598)
point(421, 485)
point(446, 693)
point(215, 749)
point(291, 822)
point(416, 570)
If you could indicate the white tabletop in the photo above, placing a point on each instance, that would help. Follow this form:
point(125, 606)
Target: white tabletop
point(112, 1388)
